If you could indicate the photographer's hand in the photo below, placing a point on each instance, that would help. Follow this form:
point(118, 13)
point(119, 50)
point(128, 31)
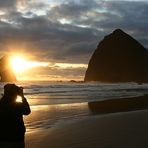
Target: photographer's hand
point(26, 107)
point(21, 93)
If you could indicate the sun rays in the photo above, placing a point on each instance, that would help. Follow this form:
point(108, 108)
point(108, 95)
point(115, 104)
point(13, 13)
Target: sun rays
point(20, 64)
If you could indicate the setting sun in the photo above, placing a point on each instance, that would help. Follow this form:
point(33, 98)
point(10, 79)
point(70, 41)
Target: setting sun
point(20, 64)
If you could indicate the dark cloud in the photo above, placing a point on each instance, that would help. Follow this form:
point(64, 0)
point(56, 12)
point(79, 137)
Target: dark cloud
point(72, 9)
point(6, 4)
point(129, 16)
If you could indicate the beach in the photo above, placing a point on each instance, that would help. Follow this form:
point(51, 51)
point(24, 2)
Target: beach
point(77, 115)
point(118, 130)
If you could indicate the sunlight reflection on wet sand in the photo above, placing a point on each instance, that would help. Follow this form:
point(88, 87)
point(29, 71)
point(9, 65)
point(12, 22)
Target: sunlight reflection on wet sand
point(47, 116)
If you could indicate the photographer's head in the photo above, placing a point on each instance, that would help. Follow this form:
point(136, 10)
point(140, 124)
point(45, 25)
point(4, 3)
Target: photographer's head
point(10, 92)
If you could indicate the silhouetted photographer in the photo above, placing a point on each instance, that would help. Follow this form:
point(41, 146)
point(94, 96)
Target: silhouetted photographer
point(12, 129)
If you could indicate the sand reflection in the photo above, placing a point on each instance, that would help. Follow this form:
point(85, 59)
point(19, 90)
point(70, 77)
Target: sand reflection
point(47, 116)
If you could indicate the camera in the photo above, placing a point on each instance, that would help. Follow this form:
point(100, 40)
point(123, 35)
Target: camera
point(19, 90)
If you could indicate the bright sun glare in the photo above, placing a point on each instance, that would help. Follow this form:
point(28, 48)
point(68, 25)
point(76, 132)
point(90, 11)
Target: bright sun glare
point(20, 64)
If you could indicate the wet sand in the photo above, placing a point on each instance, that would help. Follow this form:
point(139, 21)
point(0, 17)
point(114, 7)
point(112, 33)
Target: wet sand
point(119, 105)
point(114, 130)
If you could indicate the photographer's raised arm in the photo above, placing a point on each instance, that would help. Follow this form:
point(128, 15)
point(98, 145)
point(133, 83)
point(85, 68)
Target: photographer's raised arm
point(25, 106)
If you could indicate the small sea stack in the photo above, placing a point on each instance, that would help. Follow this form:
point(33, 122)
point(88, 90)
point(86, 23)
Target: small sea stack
point(6, 71)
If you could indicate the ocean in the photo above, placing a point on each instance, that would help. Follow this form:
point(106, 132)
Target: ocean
point(53, 103)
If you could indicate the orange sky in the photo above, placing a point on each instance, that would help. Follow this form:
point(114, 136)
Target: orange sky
point(27, 69)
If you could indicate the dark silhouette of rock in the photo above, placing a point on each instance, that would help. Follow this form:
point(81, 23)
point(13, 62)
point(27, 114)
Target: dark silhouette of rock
point(6, 71)
point(118, 58)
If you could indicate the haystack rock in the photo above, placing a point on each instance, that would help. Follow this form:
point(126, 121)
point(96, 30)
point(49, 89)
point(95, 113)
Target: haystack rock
point(6, 71)
point(118, 58)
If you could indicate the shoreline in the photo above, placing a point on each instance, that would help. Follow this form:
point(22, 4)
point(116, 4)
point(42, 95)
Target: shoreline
point(113, 127)
point(47, 116)
point(118, 130)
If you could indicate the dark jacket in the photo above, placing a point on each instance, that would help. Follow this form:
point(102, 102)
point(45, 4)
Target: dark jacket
point(11, 121)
